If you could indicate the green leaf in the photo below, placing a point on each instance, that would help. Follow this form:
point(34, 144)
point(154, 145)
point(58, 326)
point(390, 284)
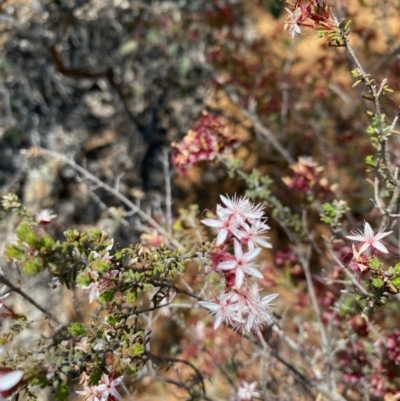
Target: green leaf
point(377, 282)
point(95, 376)
point(375, 263)
point(71, 235)
point(33, 266)
point(95, 234)
point(102, 266)
point(128, 47)
point(25, 233)
point(83, 279)
point(62, 393)
point(107, 296)
point(47, 243)
point(76, 329)
point(396, 282)
point(13, 251)
point(184, 65)
point(136, 349)
point(130, 297)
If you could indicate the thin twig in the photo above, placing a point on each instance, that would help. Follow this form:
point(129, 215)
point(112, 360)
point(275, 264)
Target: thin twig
point(148, 219)
point(12, 287)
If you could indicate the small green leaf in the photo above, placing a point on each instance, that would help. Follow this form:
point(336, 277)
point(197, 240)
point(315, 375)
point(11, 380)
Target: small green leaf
point(107, 296)
point(136, 349)
point(33, 266)
point(76, 329)
point(375, 263)
point(71, 235)
point(25, 233)
point(130, 297)
point(377, 282)
point(62, 393)
point(396, 282)
point(128, 47)
point(13, 251)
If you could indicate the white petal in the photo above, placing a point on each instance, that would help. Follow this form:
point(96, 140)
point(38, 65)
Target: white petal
point(251, 255)
point(368, 232)
point(222, 236)
point(218, 321)
point(227, 265)
point(9, 380)
point(239, 278)
point(251, 271)
point(211, 306)
point(238, 249)
point(380, 247)
point(226, 201)
point(212, 223)
point(262, 242)
point(357, 237)
point(266, 300)
point(381, 235)
point(364, 247)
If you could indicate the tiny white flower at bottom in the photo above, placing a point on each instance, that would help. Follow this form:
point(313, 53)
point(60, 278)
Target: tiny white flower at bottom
point(246, 392)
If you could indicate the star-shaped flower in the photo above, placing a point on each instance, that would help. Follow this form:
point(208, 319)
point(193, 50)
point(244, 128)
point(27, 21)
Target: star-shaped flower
point(369, 239)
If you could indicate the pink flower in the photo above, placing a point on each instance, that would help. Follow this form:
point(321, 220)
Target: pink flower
point(93, 289)
point(358, 263)
point(209, 137)
point(108, 388)
point(369, 239)
point(45, 216)
point(292, 22)
point(224, 309)
point(253, 234)
point(242, 264)
point(224, 224)
point(253, 311)
point(242, 209)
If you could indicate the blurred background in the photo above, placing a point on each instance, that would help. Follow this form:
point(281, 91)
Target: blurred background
point(110, 84)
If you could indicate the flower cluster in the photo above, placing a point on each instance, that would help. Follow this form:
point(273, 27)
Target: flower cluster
point(307, 175)
point(209, 137)
point(314, 14)
point(106, 390)
point(239, 223)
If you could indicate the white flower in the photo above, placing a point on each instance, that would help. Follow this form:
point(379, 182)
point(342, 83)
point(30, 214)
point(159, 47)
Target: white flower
point(244, 311)
point(369, 239)
point(108, 388)
point(253, 235)
point(253, 311)
point(224, 224)
point(93, 289)
point(89, 393)
point(242, 209)
point(224, 310)
point(292, 22)
point(45, 216)
point(247, 391)
point(242, 264)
